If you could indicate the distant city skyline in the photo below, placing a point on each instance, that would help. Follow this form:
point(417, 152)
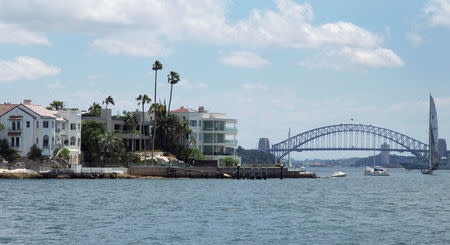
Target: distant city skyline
point(272, 65)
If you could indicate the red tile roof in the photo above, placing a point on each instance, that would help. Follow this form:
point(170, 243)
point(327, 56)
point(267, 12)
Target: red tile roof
point(182, 109)
point(5, 108)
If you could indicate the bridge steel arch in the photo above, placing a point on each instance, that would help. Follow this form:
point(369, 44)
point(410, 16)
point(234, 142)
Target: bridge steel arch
point(294, 143)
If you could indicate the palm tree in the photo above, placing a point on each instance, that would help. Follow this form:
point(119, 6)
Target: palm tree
point(110, 144)
point(142, 100)
point(56, 105)
point(173, 78)
point(156, 66)
point(95, 109)
point(108, 100)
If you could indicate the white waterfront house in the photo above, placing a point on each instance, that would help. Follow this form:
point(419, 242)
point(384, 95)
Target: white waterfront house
point(27, 124)
point(215, 134)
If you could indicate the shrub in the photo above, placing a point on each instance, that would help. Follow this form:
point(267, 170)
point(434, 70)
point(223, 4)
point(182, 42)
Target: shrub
point(34, 153)
point(197, 154)
point(65, 153)
point(8, 153)
point(230, 162)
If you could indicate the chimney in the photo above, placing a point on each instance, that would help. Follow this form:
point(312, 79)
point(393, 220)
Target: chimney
point(27, 101)
point(201, 109)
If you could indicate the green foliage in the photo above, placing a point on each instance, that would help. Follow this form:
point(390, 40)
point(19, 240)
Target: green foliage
point(229, 161)
point(2, 126)
point(130, 122)
point(108, 100)
point(250, 157)
point(94, 110)
point(56, 105)
point(8, 153)
point(197, 154)
point(35, 152)
point(65, 153)
point(131, 158)
point(90, 134)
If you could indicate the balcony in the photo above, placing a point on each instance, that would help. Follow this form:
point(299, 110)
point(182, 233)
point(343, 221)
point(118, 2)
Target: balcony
point(14, 131)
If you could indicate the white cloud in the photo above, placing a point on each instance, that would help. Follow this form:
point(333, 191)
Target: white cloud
point(15, 34)
point(185, 83)
point(353, 59)
point(202, 85)
point(253, 86)
point(244, 59)
point(144, 28)
point(414, 38)
point(25, 68)
point(55, 85)
point(438, 12)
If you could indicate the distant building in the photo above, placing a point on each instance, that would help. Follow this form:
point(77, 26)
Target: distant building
point(133, 141)
point(27, 124)
point(214, 133)
point(442, 148)
point(263, 144)
point(384, 156)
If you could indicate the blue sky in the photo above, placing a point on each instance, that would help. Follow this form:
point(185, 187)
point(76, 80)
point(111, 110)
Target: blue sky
point(273, 65)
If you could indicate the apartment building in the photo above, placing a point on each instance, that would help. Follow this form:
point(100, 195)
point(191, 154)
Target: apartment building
point(215, 134)
point(27, 124)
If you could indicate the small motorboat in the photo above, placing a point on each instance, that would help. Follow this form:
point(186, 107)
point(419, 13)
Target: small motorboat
point(376, 171)
point(339, 174)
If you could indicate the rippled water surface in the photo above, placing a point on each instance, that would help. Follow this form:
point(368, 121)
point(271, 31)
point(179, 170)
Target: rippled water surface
point(405, 208)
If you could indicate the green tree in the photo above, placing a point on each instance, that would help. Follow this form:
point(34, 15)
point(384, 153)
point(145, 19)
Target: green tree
point(8, 153)
point(65, 153)
point(173, 79)
point(229, 161)
point(2, 126)
point(156, 67)
point(108, 100)
point(111, 145)
point(142, 100)
point(35, 152)
point(94, 110)
point(130, 122)
point(56, 105)
point(90, 133)
point(196, 154)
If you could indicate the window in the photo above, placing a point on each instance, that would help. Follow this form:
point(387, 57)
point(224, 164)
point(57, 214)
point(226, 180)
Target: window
point(17, 142)
point(18, 125)
point(73, 126)
point(72, 140)
point(13, 126)
point(117, 127)
point(63, 126)
point(200, 123)
point(193, 123)
point(53, 124)
point(37, 124)
point(45, 124)
point(45, 142)
point(79, 126)
point(37, 141)
point(28, 124)
point(12, 141)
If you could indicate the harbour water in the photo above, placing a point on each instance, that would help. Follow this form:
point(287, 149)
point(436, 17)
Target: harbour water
point(405, 208)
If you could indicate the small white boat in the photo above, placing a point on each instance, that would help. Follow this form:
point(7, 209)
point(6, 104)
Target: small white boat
point(376, 171)
point(339, 174)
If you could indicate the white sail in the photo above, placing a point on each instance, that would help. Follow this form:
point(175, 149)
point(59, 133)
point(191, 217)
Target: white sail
point(433, 136)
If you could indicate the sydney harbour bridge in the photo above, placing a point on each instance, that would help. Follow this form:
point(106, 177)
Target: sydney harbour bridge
point(349, 137)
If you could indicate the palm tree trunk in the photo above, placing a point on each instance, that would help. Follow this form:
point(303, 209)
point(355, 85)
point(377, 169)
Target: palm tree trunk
point(170, 98)
point(142, 132)
point(154, 126)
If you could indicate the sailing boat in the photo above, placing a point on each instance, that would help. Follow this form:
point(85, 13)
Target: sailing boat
point(376, 170)
point(433, 136)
